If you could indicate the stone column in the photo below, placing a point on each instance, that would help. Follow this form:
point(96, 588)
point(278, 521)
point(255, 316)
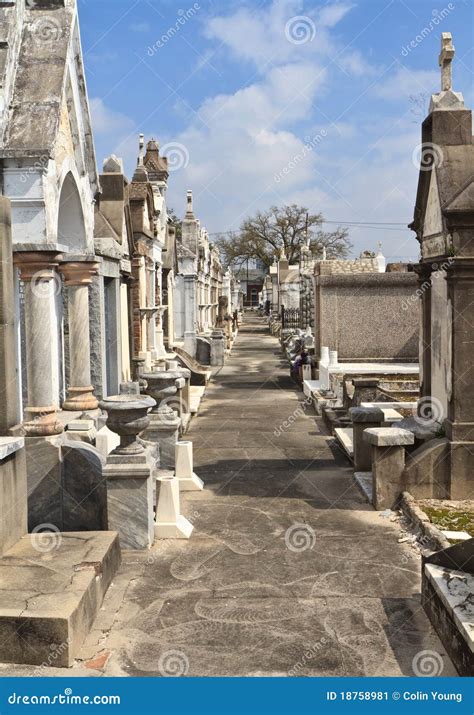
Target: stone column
point(364, 418)
point(151, 315)
point(217, 348)
point(388, 463)
point(190, 314)
point(160, 352)
point(78, 277)
point(41, 284)
point(423, 272)
point(460, 379)
point(10, 412)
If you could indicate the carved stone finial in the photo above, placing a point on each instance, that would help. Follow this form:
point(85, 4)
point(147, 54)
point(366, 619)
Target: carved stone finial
point(112, 165)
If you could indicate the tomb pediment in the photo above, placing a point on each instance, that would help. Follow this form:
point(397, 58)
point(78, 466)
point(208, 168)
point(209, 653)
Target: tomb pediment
point(46, 101)
point(433, 220)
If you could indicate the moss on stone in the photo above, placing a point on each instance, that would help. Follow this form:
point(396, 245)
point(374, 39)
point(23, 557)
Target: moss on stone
point(451, 519)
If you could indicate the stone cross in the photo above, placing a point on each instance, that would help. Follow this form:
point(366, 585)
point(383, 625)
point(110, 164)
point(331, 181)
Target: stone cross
point(445, 60)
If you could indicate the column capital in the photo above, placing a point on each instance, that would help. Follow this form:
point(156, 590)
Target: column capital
point(37, 264)
point(78, 273)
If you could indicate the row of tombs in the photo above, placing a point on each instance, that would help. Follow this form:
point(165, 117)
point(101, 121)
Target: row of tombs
point(100, 377)
point(109, 480)
point(384, 357)
point(114, 312)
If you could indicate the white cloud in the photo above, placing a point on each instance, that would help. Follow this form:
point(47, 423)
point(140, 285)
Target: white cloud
point(116, 130)
point(332, 14)
point(248, 149)
point(404, 82)
point(260, 36)
point(106, 120)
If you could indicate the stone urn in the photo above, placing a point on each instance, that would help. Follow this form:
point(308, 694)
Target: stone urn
point(162, 386)
point(127, 415)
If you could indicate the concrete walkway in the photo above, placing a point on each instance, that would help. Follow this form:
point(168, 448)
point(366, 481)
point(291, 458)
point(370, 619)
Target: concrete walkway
point(288, 570)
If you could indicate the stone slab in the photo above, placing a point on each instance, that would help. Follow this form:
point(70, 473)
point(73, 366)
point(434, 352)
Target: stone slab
point(377, 368)
point(80, 425)
point(196, 393)
point(456, 535)
point(367, 414)
point(392, 405)
point(83, 487)
point(10, 445)
point(390, 415)
point(344, 436)
point(309, 386)
point(51, 588)
point(388, 437)
point(455, 589)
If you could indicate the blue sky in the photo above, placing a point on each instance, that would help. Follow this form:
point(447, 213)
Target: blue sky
point(266, 103)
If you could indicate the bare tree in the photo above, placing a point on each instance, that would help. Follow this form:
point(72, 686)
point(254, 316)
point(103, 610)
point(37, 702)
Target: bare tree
point(286, 228)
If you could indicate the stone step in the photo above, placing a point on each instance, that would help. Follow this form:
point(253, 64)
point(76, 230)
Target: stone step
point(51, 588)
point(392, 405)
point(364, 481)
point(447, 598)
point(196, 393)
point(310, 386)
point(344, 436)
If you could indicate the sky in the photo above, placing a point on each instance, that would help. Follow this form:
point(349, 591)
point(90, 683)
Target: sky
point(260, 104)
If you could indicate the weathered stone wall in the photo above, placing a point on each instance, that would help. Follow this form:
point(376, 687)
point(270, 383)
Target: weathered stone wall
point(367, 316)
point(342, 265)
point(306, 300)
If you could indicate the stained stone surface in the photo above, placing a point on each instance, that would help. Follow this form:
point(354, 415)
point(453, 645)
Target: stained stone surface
point(84, 489)
point(51, 588)
point(288, 571)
